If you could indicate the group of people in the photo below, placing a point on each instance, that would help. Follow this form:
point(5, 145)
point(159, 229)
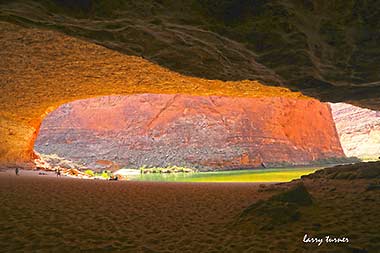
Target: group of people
point(57, 172)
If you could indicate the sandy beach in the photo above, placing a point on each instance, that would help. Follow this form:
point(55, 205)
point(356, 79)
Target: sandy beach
point(45, 212)
point(50, 214)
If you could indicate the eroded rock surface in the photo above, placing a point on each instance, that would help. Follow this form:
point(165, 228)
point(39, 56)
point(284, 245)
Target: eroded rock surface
point(205, 132)
point(326, 49)
point(358, 129)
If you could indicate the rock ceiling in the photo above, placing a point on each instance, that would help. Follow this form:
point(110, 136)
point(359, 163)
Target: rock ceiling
point(54, 52)
point(326, 49)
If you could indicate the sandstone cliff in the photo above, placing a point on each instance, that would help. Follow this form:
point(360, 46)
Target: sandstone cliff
point(206, 132)
point(358, 129)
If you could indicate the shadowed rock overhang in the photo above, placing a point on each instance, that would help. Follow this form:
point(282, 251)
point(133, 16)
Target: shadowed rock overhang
point(325, 49)
point(49, 54)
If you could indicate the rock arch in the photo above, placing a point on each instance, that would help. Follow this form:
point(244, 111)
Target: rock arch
point(42, 69)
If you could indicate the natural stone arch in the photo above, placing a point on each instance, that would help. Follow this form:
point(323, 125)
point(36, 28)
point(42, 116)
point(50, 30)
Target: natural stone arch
point(42, 69)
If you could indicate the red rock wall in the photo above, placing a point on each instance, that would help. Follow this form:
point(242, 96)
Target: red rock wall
point(213, 132)
point(358, 129)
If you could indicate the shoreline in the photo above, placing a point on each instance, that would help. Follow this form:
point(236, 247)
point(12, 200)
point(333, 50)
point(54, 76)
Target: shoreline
point(9, 173)
point(200, 178)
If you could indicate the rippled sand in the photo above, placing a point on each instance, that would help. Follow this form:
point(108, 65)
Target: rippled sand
point(61, 214)
point(49, 214)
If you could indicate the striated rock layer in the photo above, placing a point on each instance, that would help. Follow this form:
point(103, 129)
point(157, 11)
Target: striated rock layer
point(205, 132)
point(358, 129)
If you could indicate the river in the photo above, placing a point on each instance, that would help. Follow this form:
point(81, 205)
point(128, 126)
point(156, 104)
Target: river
point(242, 176)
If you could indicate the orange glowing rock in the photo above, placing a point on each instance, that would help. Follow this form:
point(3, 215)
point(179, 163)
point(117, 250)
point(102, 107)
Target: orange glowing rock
point(208, 132)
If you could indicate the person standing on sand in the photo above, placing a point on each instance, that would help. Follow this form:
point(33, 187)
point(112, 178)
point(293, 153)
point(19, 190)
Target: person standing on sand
point(17, 171)
point(58, 173)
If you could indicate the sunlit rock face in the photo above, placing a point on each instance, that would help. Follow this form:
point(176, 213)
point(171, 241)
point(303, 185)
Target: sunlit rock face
point(204, 132)
point(359, 130)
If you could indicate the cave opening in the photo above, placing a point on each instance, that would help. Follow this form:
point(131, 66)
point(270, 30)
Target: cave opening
point(199, 133)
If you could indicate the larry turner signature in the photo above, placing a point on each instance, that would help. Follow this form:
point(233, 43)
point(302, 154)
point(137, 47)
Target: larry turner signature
point(326, 239)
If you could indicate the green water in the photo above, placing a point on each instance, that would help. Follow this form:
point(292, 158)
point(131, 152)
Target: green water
point(257, 175)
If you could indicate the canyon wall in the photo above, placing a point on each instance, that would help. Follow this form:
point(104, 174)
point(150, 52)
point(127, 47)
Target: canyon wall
point(358, 129)
point(204, 132)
